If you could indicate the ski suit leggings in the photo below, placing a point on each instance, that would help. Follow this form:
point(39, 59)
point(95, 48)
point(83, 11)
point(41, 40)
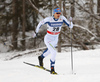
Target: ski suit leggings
point(51, 43)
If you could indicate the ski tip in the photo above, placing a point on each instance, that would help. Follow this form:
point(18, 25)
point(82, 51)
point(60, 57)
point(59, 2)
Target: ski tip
point(23, 62)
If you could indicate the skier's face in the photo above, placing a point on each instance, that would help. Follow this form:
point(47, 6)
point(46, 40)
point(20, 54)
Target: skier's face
point(57, 15)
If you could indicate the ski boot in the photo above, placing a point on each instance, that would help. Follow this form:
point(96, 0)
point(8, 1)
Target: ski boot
point(52, 67)
point(40, 61)
point(53, 71)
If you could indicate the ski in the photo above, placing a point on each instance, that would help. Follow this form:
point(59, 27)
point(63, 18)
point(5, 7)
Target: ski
point(48, 70)
point(38, 66)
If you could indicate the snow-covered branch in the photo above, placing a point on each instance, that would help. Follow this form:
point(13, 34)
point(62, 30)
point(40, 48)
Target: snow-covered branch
point(85, 29)
point(97, 17)
point(36, 9)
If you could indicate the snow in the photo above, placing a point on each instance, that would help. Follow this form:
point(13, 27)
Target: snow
point(86, 67)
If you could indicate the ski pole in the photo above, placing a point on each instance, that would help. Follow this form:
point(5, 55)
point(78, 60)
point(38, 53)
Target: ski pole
point(71, 43)
point(71, 50)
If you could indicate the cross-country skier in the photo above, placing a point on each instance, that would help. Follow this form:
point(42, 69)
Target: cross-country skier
point(54, 24)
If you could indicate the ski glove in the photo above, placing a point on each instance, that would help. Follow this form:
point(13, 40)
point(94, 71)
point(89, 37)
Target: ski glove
point(70, 19)
point(35, 35)
point(71, 25)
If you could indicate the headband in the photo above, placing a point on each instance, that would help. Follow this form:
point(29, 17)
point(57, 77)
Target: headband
point(56, 10)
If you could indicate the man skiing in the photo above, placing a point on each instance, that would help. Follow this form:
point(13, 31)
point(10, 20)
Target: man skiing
point(54, 24)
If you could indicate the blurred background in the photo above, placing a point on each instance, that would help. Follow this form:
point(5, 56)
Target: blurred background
point(19, 19)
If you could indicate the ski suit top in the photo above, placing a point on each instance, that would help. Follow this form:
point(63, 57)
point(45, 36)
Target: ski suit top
point(54, 25)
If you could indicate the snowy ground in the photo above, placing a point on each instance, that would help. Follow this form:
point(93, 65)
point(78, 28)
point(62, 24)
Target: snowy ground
point(86, 67)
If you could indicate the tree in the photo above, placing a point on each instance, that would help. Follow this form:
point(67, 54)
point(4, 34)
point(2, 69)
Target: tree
point(98, 6)
point(72, 8)
point(15, 24)
point(59, 41)
point(24, 25)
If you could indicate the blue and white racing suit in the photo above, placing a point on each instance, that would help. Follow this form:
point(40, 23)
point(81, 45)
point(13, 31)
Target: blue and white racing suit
point(51, 38)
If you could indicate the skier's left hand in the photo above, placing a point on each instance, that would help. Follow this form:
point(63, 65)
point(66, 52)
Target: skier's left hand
point(71, 25)
point(70, 19)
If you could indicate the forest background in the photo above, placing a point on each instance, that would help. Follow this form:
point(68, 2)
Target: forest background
point(19, 18)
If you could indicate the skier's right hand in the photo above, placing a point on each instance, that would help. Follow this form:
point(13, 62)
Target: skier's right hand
point(35, 35)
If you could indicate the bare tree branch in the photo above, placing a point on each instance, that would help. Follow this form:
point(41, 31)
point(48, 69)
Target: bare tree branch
point(37, 11)
point(93, 15)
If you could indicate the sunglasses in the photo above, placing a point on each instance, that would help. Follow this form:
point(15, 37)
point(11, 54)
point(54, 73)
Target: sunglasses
point(58, 13)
